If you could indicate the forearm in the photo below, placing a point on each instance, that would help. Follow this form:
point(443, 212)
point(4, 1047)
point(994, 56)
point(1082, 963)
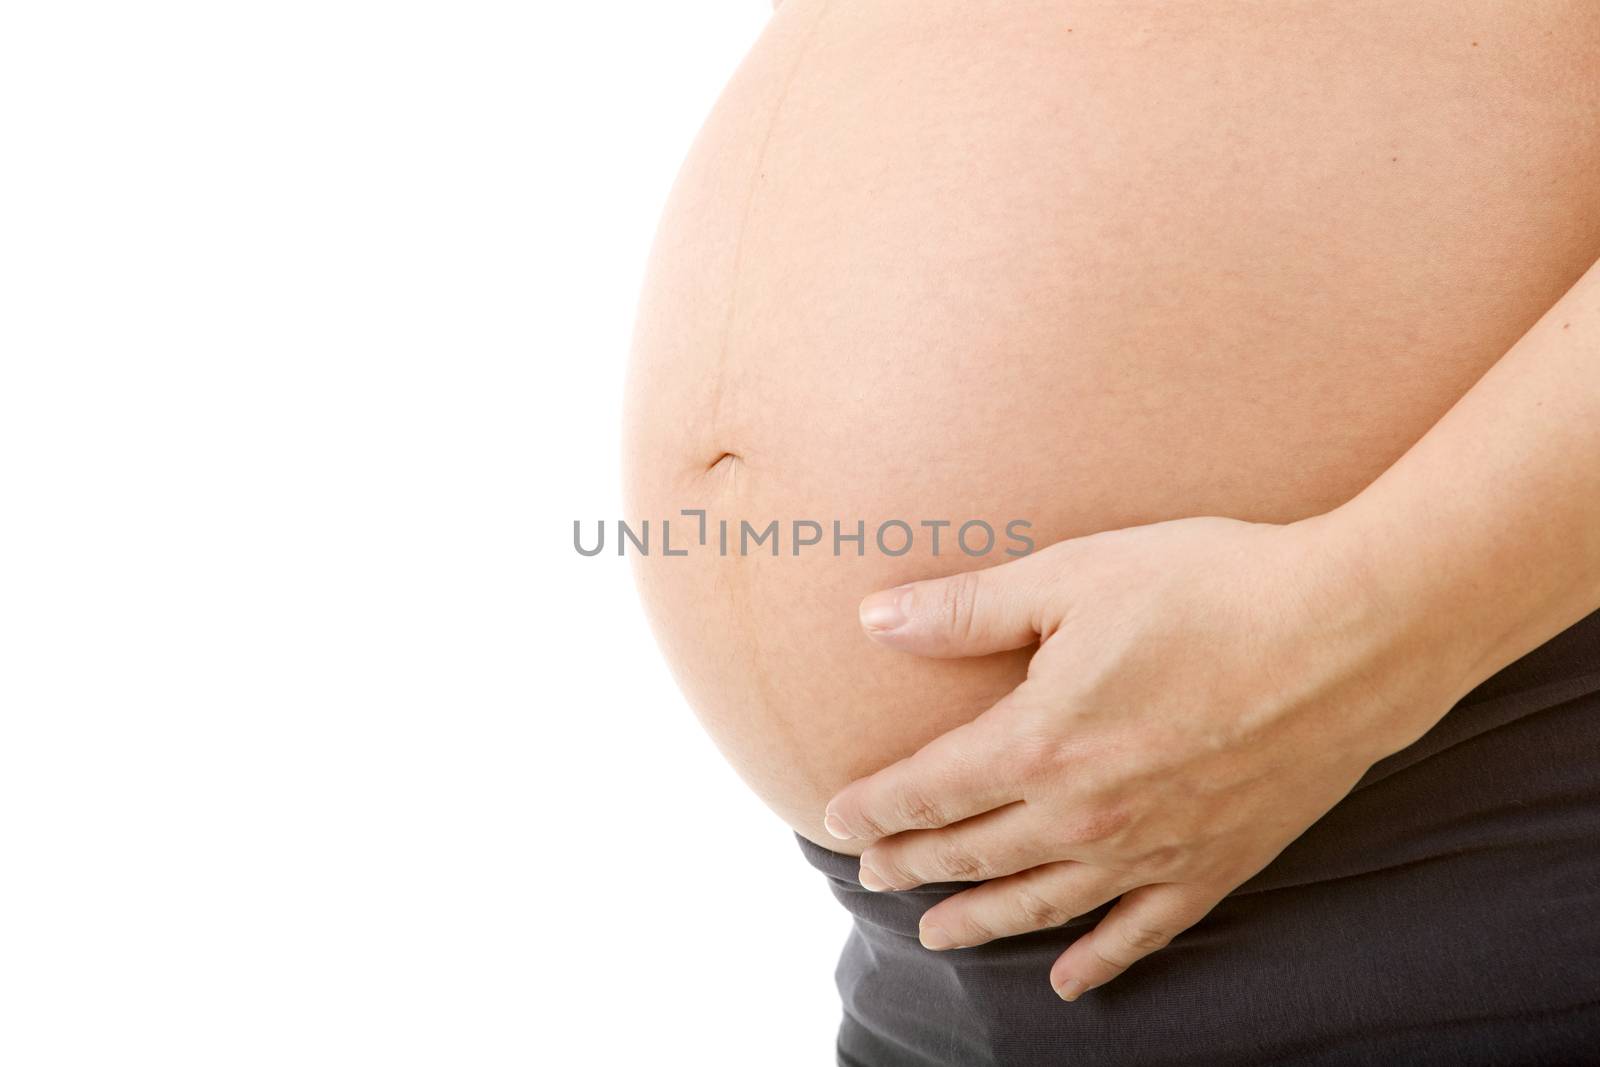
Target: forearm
point(1483, 541)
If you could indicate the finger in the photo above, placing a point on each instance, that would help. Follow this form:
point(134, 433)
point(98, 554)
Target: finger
point(1145, 920)
point(992, 845)
point(955, 776)
point(1036, 899)
point(971, 614)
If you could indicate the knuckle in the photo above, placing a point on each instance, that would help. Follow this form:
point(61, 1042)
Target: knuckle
point(959, 864)
point(1035, 757)
point(1039, 912)
point(975, 930)
point(960, 603)
point(1113, 965)
point(1162, 857)
point(1144, 939)
point(869, 824)
point(917, 809)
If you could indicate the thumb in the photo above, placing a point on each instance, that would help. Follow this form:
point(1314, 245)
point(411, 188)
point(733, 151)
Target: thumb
point(972, 614)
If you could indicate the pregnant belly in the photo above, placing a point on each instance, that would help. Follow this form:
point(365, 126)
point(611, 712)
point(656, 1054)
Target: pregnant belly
point(1082, 266)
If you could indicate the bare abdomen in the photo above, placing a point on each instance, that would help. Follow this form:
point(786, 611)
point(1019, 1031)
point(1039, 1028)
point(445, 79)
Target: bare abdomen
point(1083, 265)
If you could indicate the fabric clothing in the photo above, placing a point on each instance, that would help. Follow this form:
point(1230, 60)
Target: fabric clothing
point(1447, 911)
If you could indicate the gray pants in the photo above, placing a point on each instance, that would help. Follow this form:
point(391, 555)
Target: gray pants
point(1446, 912)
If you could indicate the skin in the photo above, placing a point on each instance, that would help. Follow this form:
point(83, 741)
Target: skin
point(1205, 689)
point(1152, 294)
point(1101, 266)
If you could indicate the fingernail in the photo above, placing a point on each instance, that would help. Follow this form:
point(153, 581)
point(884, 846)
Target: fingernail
point(934, 938)
point(883, 611)
point(870, 880)
point(835, 826)
point(1070, 990)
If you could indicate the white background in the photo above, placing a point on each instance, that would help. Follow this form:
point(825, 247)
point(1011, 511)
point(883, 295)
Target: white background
point(318, 742)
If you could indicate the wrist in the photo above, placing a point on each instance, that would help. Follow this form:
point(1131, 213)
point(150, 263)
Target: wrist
point(1389, 643)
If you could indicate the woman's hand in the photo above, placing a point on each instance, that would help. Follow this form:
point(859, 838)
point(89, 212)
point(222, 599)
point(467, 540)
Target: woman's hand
point(1204, 690)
